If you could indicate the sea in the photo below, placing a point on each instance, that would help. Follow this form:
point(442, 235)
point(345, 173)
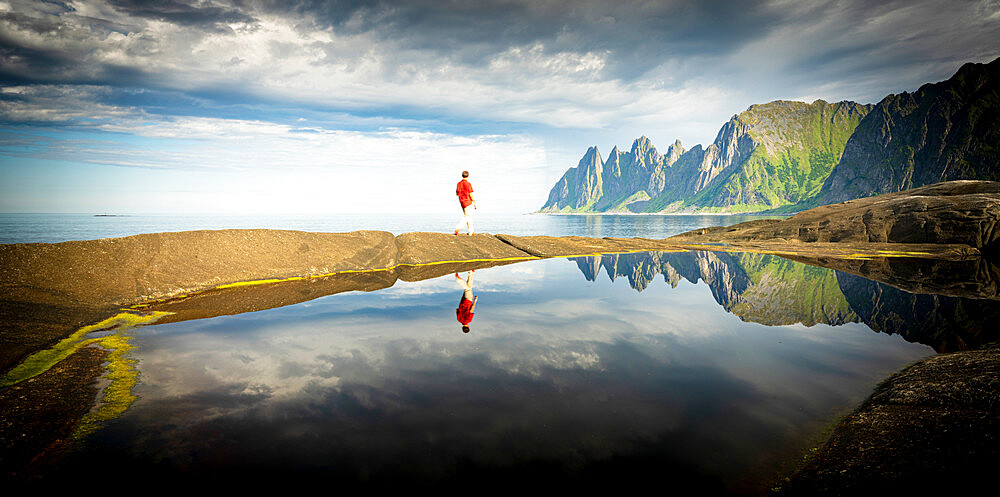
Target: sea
point(54, 228)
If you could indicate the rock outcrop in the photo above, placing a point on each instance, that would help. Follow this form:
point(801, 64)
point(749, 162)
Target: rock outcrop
point(955, 212)
point(123, 271)
point(931, 428)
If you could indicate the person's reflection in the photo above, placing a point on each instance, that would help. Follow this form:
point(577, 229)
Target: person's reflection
point(466, 306)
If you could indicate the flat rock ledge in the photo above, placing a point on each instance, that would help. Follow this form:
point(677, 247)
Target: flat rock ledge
point(955, 213)
point(143, 268)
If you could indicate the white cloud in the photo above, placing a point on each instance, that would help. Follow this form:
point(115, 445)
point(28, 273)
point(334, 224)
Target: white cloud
point(570, 78)
point(278, 59)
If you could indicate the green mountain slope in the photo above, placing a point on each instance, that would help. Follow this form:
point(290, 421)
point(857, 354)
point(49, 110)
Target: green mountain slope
point(796, 147)
point(943, 131)
point(770, 155)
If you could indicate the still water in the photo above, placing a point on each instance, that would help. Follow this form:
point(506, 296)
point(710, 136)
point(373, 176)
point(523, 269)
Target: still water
point(695, 370)
point(52, 228)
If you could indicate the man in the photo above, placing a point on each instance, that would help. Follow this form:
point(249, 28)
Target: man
point(464, 192)
point(467, 305)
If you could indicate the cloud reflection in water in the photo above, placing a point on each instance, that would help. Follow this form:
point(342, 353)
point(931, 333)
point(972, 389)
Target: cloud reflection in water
point(582, 378)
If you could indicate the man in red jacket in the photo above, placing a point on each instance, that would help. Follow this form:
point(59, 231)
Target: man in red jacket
point(464, 192)
point(467, 305)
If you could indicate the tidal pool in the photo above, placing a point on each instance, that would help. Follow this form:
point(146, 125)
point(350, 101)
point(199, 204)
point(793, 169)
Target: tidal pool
point(686, 370)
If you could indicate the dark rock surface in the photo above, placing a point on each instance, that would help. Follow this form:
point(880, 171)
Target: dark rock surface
point(38, 416)
point(932, 427)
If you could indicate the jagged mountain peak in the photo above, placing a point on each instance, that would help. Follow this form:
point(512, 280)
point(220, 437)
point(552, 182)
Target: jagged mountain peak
point(674, 152)
point(641, 144)
point(770, 155)
point(591, 154)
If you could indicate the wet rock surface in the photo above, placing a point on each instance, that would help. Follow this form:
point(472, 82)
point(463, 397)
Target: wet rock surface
point(38, 416)
point(931, 427)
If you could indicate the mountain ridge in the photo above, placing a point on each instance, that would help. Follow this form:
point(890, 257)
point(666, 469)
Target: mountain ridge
point(786, 156)
point(742, 166)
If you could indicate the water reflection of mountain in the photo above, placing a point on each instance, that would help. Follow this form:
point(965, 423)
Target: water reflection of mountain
point(772, 290)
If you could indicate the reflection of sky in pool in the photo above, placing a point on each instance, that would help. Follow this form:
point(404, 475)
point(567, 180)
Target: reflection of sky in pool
point(558, 377)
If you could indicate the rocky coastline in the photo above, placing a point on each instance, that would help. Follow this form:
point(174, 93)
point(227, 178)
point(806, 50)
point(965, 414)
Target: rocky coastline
point(919, 424)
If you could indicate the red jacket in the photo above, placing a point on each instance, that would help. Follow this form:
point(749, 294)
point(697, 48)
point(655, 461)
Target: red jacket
point(464, 192)
point(464, 311)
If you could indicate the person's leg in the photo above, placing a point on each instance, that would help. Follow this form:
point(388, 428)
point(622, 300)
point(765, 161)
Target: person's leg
point(463, 221)
point(466, 285)
point(466, 219)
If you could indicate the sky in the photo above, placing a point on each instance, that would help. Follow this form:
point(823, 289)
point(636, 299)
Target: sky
point(369, 106)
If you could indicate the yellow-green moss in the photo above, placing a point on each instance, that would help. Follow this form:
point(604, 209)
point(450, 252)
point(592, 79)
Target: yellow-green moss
point(43, 360)
point(117, 396)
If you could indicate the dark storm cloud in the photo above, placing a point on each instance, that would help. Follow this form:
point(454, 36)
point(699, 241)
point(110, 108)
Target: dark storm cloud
point(192, 12)
point(637, 34)
point(711, 24)
point(551, 62)
point(26, 61)
point(28, 65)
point(870, 49)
